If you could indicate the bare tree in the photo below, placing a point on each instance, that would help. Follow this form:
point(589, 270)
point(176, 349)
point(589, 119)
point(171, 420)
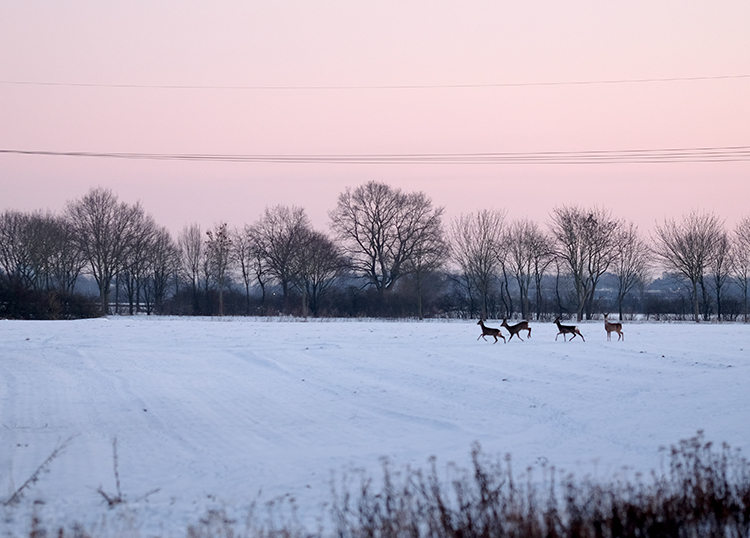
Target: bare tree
point(278, 233)
point(56, 252)
point(15, 254)
point(381, 230)
point(163, 259)
point(42, 239)
point(475, 246)
point(102, 226)
point(528, 254)
point(206, 279)
point(248, 257)
point(429, 256)
point(721, 267)
point(191, 254)
point(586, 240)
point(68, 261)
point(219, 248)
point(688, 249)
point(136, 265)
point(37, 251)
point(243, 256)
point(260, 268)
point(741, 242)
point(543, 256)
point(631, 262)
point(319, 262)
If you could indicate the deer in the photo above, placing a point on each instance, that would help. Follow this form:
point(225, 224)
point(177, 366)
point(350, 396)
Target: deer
point(489, 331)
point(567, 329)
point(613, 328)
point(515, 329)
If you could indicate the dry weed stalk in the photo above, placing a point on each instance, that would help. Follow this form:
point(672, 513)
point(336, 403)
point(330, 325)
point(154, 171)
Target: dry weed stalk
point(34, 478)
point(118, 498)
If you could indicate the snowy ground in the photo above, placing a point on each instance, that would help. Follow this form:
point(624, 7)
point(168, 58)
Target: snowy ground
point(213, 411)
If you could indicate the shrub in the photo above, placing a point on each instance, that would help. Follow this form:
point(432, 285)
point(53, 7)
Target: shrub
point(704, 493)
point(20, 302)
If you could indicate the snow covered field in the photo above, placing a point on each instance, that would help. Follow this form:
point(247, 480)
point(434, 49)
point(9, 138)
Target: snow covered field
point(213, 411)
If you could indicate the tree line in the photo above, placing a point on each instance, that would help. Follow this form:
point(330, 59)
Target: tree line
point(388, 253)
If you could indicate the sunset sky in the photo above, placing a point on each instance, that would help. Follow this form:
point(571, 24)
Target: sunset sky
point(381, 78)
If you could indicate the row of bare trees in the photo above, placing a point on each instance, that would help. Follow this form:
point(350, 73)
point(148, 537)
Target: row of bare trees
point(380, 234)
point(587, 243)
point(381, 238)
point(280, 248)
point(98, 235)
point(582, 243)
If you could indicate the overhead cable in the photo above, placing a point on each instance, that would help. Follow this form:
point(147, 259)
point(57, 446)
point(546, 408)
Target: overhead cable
point(628, 156)
point(369, 87)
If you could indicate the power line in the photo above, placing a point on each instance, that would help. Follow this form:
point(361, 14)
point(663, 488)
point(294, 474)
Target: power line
point(628, 156)
point(370, 87)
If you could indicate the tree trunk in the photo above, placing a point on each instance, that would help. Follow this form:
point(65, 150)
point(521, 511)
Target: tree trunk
point(704, 293)
point(247, 298)
point(304, 301)
point(104, 293)
point(696, 310)
point(419, 297)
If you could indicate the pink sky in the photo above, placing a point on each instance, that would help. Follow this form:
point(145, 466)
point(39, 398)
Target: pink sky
point(375, 44)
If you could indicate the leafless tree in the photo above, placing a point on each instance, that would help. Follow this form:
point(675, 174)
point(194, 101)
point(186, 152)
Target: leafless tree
point(206, 278)
point(191, 254)
point(243, 257)
point(278, 234)
point(475, 241)
point(248, 257)
point(631, 262)
point(163, 258)
point(585, 242)
point(429, 256)
point(259, 267)
point(67, 261)
point(135, 271)
point(528, 254)
point(62, 258)
point(15, 254)
point(382, 229)
point(319, 262)
point(721, 268)
point(42, 240)
point(741, 242)
point(543, 255)
point(688, 249)
point(219, 248)
point(102, 226)
point(36, 250)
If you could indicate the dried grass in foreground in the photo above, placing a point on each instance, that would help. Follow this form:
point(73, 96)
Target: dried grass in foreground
point(705, 492)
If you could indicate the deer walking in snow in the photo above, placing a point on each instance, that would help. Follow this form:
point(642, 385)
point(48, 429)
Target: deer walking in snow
point(515, 329)
point(613, 328)
point(567, 329)
point(489, 331)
